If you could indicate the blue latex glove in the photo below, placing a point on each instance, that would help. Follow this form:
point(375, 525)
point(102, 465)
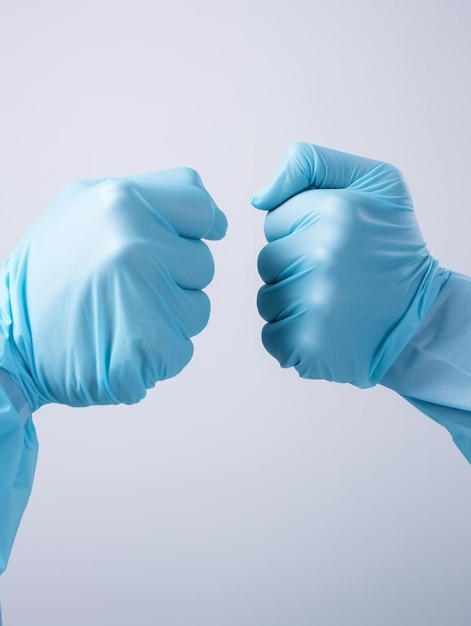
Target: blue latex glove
point(348, 276)
point(98, 302)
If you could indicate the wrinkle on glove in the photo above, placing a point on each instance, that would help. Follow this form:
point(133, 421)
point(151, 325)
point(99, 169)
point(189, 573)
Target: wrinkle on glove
point(433, 372)
point(18, 455)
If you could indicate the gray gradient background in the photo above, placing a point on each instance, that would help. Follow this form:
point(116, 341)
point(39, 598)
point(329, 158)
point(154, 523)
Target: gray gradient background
point(236, 493)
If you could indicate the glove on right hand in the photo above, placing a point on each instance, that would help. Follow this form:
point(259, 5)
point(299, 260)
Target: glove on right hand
point(348, 276)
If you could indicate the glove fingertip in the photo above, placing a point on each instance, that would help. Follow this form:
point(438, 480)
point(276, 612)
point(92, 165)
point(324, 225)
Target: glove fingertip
point(219, 228)
point(263, 201)
point(257, 202)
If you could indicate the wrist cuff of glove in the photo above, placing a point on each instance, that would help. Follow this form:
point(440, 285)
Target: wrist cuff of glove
point(433, 372)
point(411, 322)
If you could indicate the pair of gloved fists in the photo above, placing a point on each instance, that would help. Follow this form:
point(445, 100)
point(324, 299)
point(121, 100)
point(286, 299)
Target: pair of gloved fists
point(100, 299)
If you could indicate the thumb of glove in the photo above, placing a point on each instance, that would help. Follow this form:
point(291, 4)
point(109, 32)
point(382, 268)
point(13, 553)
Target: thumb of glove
point(306, 166)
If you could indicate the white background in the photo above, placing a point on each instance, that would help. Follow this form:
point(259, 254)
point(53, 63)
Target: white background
point(238, 494)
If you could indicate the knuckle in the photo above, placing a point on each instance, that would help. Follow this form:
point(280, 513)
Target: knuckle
point(190, 175)
point(300, 148)
point(391, 170)
point(116, 192)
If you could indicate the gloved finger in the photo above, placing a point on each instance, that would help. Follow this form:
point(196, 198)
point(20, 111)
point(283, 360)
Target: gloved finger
point(189, 261)
point(177, 195)
point(183, 176)
point(319, 217)
point(189, 210)
point(166, 356)
point(185, 313)
point(284, 299)
point(183, 354)
point(219, 228)
point(283, 341)
point(293, 343)
point(291, 256)
point(158, 299)
point(307, 166)
point(279, 261)
point(143, 295)
point(194, 311)
point(183, 209)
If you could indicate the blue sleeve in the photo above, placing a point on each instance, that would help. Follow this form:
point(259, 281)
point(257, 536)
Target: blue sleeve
point(18, 454)
point(434, 370)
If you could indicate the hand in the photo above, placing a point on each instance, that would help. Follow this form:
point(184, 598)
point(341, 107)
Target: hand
point(349, 277)
point(102, 295)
